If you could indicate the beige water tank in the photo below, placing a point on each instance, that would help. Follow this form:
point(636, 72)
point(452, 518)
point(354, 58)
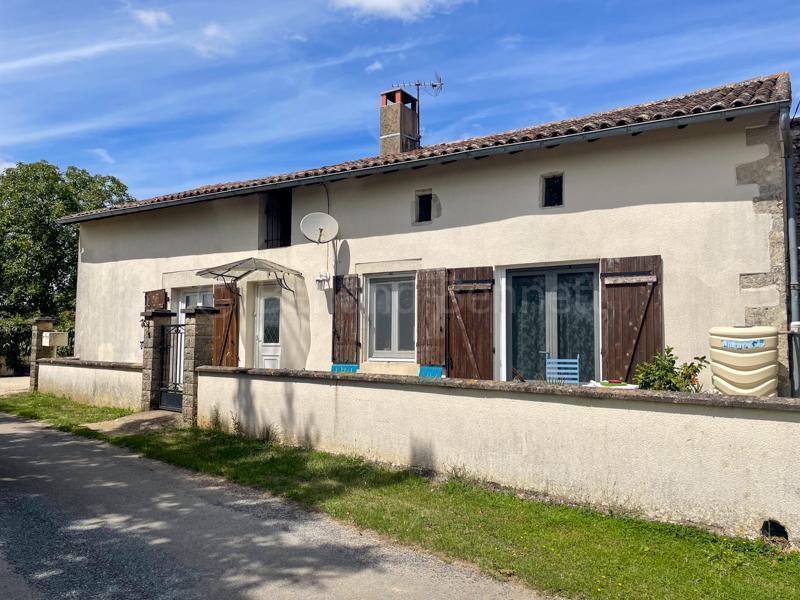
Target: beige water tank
point(744, 360)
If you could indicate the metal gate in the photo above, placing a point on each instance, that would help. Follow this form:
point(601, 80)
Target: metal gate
point(171, 385)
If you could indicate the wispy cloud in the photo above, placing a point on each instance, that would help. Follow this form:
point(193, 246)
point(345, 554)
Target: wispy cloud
point(215, 41)
point(103, 155)
point(404, 10)
point(75, 54)
point(374, 67)
point(560, 67)
point(297, 37)
point(5, 164)
point(511, 41)
point(152, 19)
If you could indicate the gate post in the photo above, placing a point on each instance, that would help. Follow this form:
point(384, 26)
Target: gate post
point(197, 351)
point(40, 325)
point(152, 322)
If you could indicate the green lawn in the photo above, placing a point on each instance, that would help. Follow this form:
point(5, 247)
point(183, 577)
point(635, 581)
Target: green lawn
point(61, 413)
point(559, 549)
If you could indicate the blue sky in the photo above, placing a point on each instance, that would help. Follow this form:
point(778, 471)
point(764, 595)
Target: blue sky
point(168, 94)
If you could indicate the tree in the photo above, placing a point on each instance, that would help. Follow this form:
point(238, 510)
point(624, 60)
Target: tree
point(38, 257)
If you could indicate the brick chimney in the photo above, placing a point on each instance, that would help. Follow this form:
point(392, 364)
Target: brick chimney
point(399, 122)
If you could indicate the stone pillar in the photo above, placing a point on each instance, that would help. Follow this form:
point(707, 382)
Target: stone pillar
point(197, 351)
point(153, 320)
point(39, 326)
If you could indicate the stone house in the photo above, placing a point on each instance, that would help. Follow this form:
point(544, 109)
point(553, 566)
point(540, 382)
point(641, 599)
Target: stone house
point(601, 238)
point(684, 196)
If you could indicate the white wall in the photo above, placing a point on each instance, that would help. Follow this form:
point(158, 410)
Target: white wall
point(121, 388)
point(667, 192)
point(728, 468)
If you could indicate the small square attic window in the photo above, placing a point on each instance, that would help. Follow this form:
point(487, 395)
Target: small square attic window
point(553, 190)
point(424, 207)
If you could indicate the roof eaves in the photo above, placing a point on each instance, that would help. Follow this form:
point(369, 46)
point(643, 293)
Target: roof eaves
point(445, 157)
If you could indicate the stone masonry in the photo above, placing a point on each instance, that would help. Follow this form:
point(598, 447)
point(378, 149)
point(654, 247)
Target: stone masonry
point(153, 320)
point(40, 325)
point(768, 173)
point(197, 352)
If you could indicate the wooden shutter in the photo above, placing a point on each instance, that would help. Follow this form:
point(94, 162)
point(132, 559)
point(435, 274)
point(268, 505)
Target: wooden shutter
point(156, 300)
point(469, 322)
point(345, 319)
point(432, 317)
point(631, 313)
point(225, 343)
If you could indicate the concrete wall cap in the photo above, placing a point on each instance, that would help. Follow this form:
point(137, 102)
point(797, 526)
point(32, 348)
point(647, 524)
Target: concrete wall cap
point(537, 388)
point(158, 313)
point(200, 310)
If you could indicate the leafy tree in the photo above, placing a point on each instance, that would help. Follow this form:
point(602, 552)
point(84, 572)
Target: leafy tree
point(38, 257)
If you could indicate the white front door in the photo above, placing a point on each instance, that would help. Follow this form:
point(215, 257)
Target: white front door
point(191, 298)
point(268, 327)
point(186, 299)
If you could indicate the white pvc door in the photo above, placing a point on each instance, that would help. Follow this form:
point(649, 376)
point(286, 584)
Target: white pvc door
point(187, 299)
point(268, 328)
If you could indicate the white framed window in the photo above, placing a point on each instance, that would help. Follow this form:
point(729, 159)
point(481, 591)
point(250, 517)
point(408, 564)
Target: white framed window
point(392, 317)
point(189, 298)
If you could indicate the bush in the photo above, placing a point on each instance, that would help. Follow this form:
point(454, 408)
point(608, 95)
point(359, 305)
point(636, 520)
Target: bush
point(15, 341)
point(662, 373)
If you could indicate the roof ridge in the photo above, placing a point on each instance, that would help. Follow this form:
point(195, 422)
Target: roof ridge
point(705, 100)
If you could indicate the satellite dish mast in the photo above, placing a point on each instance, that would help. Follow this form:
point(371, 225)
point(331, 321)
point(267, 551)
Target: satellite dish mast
point(320, 228)
point(433, 88)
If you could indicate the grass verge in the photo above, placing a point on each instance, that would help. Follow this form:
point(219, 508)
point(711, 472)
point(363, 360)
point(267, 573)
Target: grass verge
point(61, 413)
point(557, 549)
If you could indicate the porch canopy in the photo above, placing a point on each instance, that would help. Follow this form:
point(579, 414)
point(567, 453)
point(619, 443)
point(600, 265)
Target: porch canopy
point(242, 268)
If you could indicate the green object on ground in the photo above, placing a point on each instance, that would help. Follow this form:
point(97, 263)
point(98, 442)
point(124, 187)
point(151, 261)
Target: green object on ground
point(554, 548)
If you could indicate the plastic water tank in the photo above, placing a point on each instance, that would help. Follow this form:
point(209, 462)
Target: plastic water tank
point(744, 360)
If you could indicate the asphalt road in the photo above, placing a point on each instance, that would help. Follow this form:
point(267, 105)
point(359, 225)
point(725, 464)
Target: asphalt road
point(81, 519)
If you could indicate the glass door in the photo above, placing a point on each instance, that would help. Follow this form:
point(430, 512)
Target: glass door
point(528, 333)
point(268, 327)
point(552, 312)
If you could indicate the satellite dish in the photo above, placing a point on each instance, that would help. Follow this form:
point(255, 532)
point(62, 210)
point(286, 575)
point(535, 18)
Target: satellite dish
point(319, 227)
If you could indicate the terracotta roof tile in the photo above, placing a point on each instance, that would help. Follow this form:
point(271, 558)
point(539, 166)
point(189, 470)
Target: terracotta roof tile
point(759, 90)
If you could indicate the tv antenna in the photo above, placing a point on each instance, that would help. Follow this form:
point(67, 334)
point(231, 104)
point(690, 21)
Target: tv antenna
point(433, 88)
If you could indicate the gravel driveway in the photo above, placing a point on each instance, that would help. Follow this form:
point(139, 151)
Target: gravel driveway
point(82, 519)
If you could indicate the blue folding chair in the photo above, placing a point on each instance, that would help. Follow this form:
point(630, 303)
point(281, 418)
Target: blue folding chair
point(431, 371)
point(343, 368)
point(562, 370)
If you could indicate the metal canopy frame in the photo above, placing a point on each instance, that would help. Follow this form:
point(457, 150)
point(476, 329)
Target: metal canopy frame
point(231, 273)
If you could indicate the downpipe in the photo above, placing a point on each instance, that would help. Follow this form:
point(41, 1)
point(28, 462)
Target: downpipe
point(791, 225)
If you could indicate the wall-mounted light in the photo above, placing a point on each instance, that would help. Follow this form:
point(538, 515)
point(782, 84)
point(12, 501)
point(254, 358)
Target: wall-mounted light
point(322, 281)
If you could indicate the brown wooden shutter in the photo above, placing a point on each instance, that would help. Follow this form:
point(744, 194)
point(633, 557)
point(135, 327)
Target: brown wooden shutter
point(632, 313)
point(156, 300)
point(225, 343)
point(345, 319)
point(432, 317)
point(469, 322)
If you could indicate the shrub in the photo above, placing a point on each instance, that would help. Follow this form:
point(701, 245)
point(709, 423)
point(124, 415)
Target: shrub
point(662, 373)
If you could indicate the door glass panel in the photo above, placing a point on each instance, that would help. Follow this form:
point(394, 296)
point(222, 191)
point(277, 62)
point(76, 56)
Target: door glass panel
point(272, 321)
point(575, 301)
point(382, 317)
point(528, 325)
point(405, 318)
